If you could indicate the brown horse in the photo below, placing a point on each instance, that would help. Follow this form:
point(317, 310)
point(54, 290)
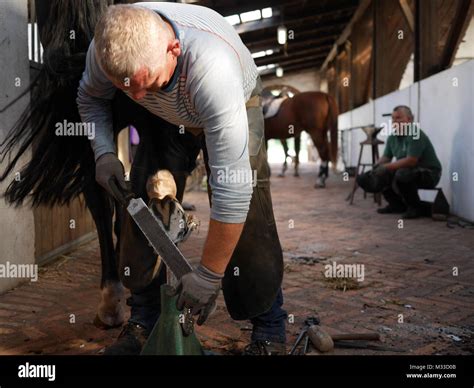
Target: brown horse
point(315, 113)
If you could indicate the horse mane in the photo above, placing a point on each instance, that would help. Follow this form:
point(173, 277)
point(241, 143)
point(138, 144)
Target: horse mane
point(60, 166)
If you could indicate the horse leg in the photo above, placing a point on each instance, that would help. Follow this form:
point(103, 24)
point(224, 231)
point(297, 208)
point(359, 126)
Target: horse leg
point(297, 157)
point(110, 312)
point(320, 140)
point(285, 164)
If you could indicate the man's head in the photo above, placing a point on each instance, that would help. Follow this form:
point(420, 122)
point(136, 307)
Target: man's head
point(136, 48)
point(402, 117)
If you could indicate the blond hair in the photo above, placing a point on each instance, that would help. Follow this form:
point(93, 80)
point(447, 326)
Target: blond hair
point(128, 38)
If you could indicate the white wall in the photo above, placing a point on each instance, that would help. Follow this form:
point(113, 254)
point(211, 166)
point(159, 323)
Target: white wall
point(17, 225)
point(446, 114)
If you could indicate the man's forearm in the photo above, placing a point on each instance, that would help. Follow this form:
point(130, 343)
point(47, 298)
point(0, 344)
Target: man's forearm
point(383, 160)
point(220, 244)
point(402, 163)
point(98, 112)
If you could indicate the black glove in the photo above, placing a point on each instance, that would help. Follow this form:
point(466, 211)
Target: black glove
point(107, 166)
point(198, 291)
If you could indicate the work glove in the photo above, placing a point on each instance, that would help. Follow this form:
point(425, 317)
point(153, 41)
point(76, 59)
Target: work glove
point(107, 166)
point(198, 291)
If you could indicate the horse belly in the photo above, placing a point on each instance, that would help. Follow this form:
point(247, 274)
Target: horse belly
point(311, 110)
point(283, 125)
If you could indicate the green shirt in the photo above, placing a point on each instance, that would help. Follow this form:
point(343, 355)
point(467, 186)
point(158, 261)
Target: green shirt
point(420, 147)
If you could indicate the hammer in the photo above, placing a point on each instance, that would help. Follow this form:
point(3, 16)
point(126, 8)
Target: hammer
point(324, 342)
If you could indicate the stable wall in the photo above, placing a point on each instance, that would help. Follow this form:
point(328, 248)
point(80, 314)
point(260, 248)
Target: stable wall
point(17, 236)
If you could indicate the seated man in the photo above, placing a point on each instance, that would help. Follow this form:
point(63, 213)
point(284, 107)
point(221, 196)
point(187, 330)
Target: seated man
point(416, 166)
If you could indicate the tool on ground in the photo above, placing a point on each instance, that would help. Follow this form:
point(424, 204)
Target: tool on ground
point(321, 340)
point(364, 345)
point(173, 334)
point(315, 335)
point(324, 342)
point(311, 321)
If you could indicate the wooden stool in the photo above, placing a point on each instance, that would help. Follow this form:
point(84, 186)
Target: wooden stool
point(374, 143)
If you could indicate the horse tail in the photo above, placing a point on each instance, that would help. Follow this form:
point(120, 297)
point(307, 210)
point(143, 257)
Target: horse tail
point(60, 166)
point(332, 127)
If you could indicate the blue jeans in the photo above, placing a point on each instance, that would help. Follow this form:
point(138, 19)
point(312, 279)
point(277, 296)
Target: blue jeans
point(146, 306)
point(270, 326)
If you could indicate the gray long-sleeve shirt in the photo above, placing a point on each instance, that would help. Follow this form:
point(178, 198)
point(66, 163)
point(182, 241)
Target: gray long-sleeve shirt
point(214, 78)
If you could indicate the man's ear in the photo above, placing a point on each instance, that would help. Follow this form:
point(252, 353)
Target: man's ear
point(175, 47)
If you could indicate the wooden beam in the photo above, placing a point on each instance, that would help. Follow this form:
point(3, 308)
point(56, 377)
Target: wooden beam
point(301, 44)
point(291, 55)
point(458, 29)
point(298, 67)
point(361, 39)
point(276, 21)
point(408, 14)
point(426, 39)
point(302, 59)
point(226, 10)
point(380, 48)
point(347, 31)
point(344, 60)
point(323, 28)
point(314, 67)
point(261, 24)
point(318, 34)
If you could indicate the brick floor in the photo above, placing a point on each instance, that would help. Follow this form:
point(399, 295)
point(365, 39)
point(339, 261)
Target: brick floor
point(407, 271)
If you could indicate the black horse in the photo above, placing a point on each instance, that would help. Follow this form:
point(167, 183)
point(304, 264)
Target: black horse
point(62, 167)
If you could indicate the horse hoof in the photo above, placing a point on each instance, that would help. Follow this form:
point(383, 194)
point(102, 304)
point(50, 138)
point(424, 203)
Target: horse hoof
point(111, 311)
point(296, 175)
point(102, 325)
point(320, 184)
point(281, 175)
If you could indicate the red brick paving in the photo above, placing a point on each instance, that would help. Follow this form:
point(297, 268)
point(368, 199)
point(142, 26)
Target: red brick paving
point(407, 271)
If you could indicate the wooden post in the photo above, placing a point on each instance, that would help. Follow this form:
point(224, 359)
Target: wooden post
point(410, 18)
point(461, 21)
point(426, 39)
point(381, 50)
